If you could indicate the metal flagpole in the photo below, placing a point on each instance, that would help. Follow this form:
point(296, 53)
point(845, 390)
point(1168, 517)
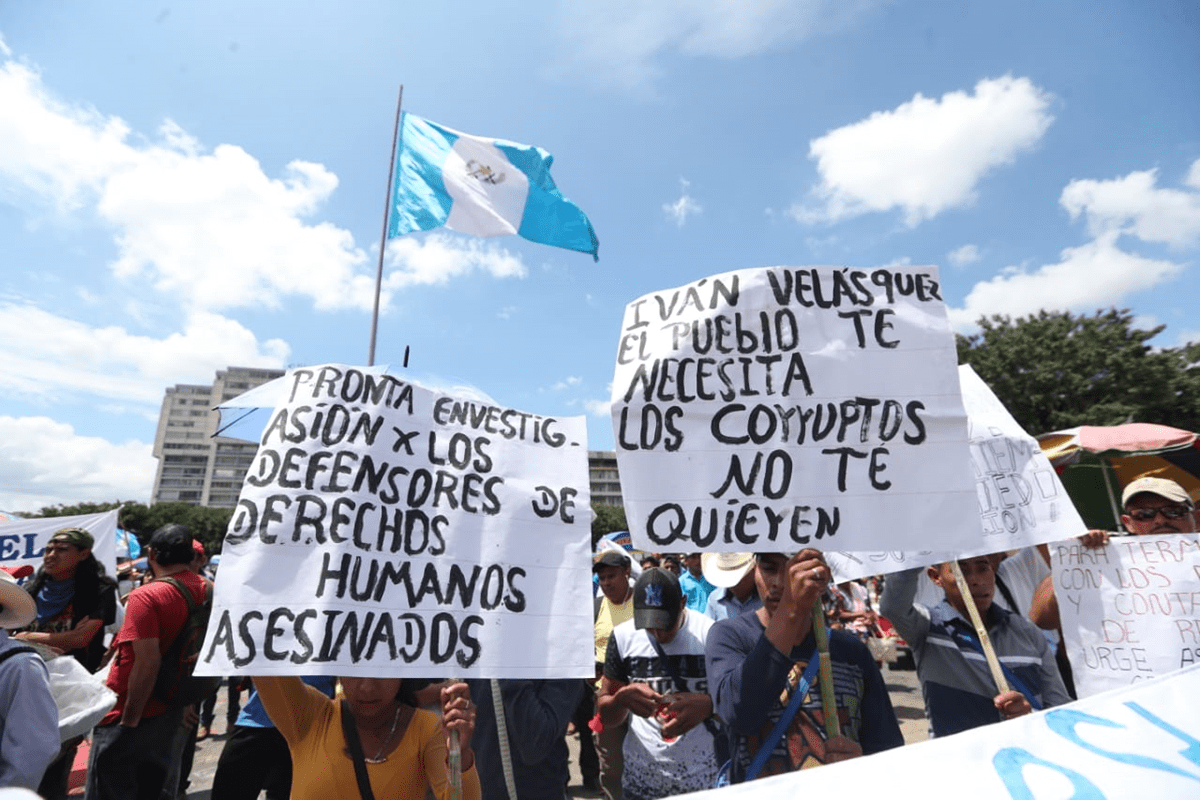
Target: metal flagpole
point(387, 207)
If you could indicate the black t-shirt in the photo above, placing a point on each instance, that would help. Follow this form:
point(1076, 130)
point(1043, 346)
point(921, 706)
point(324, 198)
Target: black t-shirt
point(100, 604)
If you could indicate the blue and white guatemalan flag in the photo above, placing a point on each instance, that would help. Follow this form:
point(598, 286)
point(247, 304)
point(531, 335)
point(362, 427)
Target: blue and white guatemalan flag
point(483, 187)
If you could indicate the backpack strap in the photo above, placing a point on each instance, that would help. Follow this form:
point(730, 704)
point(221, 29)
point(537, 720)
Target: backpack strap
point(781, 726)
point(12, 651)
point(192, 605)
point(961, 637)
point(350, 729)
point(186, 592)
point(1008, 595)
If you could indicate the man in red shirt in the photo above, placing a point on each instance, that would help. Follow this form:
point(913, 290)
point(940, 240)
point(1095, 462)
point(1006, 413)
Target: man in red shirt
point(133, 747)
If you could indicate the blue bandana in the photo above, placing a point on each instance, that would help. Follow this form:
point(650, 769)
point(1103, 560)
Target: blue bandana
point(53, 597)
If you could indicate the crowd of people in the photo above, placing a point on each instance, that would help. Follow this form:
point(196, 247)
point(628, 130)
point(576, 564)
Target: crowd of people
point(705, 674)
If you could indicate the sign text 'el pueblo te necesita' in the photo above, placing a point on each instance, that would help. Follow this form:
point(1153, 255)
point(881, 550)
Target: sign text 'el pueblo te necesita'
point(383, 523)
point(785, 407)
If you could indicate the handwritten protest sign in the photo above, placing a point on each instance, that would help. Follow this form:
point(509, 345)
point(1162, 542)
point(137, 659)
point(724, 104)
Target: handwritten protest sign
point(23, 541)
point(386, 529)
point(778, 408)
point(1130, 610)
point(1021, 501)
point(1138, 741)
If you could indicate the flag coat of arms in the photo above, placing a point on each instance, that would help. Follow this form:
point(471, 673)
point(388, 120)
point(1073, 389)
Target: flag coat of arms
point(482, 187)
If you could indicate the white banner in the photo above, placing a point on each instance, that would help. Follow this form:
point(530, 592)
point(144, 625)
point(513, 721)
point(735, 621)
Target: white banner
point(388, 530)
point(23, 541)
point(1021, 500)
point(778, 408)
point(1139, 741)
point(1130, 610)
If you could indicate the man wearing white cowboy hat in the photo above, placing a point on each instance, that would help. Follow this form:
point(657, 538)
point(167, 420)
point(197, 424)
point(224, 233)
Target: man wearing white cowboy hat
point(733, 576)
point(28, 716)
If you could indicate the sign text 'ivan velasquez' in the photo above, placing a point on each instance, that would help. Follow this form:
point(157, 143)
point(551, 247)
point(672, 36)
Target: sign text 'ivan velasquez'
point(752, 409)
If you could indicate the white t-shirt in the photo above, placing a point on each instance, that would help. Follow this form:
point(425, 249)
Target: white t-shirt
point(653, 767)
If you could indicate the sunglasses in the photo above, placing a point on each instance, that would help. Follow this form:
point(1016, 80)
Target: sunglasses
point(1170, 512)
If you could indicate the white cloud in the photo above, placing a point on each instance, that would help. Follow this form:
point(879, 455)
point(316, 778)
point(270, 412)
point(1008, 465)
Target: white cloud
point(599, 408)
point(46, 463)
point(1187, 337)
point(1094, 275)
point(210, 227)
point(1098, 273)
point(684, 207)
point(507, 312)
point(622, 41)
point(567, 383)
point(928, 155)
point(48, 356)
point(1193, 176)
point(433, 260)
point(963, 256)
point(1135, 205)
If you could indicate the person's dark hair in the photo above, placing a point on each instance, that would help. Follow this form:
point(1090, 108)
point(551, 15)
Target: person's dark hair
point(90, 575)
point(651, 560)
point(172, 544)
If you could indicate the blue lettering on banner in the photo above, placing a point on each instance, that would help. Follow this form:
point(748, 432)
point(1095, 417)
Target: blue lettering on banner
point(1064, 721)
point(1010, 762)
point(10, 547)
point(1191, 752)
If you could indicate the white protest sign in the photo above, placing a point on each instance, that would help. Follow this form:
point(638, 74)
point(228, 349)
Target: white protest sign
point(1130, 610)
point(23, 541)
point(388, 530)
point(1022, 502)
point(1139, 741)
point(778, 408)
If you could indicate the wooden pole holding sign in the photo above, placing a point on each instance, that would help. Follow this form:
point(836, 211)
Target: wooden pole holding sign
point(985, 641)
point(825, 675)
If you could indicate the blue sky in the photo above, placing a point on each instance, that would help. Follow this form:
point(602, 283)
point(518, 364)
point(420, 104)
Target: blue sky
point(192, 186)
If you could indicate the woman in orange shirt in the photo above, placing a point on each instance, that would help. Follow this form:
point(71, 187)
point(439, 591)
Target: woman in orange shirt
point(404, 747)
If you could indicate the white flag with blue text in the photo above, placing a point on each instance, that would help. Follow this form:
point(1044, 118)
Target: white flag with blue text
point(482, 187)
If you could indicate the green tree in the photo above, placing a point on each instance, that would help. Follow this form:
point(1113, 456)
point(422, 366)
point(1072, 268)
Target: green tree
point(607, 519)
point(206, 524)
point(135, 519)
point(1055, 370)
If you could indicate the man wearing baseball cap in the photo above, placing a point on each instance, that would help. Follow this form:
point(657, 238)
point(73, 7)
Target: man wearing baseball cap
point(654, 677)
point(1157, 505)
point(1152, 506)
point(133, 746)
point(613, 606)
point(75, 598)
point(28, 715)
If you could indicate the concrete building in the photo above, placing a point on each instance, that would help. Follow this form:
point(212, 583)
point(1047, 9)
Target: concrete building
point(194, 466)
point(603, 479)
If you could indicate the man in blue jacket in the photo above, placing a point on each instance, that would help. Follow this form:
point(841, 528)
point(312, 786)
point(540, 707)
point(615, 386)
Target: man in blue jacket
point(755, 662)
point(959, 690)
